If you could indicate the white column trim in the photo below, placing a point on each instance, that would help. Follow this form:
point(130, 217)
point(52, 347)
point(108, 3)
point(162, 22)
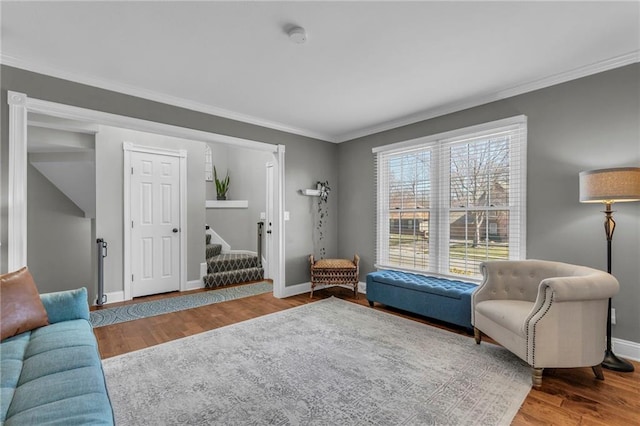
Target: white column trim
point(126, 213)
point(279, 249)
point(17, 193)
point(184, 285)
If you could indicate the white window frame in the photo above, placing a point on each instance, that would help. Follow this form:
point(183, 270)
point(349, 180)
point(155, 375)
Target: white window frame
point(439, 201)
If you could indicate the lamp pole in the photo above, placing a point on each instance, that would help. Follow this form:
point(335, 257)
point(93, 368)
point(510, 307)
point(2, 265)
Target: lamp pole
point(611, 361)
point(620, 184)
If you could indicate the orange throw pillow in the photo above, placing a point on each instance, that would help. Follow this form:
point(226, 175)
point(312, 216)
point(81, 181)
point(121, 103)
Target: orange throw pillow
point(20, 306)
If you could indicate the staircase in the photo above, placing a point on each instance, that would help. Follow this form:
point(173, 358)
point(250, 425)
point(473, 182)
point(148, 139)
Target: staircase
point(230, 268)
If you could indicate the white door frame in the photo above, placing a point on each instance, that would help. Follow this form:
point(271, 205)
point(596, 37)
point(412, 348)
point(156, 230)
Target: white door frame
point(20, 104)
point(128, 148)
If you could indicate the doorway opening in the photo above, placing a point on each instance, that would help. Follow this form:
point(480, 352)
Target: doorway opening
point(20, 105)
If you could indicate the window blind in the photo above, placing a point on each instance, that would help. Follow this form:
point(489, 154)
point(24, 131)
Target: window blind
point(447, 202)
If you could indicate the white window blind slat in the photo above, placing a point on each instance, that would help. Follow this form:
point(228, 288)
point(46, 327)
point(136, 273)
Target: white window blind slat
point(445, 204)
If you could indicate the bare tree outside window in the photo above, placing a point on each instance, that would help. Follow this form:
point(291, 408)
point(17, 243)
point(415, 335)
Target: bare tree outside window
point(409, 198)
point(479, 198)
point(448, 202)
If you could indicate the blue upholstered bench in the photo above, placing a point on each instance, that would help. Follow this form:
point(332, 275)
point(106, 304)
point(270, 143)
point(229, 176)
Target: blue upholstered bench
point(439, 298)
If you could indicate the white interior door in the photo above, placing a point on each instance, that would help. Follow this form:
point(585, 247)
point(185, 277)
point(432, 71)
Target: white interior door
point(155, 223)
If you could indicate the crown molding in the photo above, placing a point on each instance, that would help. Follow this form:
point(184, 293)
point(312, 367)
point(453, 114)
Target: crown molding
point(156, 96)
point(606, 65)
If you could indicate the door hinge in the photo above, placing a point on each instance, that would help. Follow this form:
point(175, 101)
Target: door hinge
point(132, 170)
point(131, 277)
point(132, 224)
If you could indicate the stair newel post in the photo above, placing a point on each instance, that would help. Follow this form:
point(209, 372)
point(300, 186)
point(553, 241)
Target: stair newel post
point(260, 226)
point(102, 253)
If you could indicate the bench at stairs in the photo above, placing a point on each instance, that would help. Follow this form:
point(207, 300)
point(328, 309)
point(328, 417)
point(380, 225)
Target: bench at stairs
point(230, 268)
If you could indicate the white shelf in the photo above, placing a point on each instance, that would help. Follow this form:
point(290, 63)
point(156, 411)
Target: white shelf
point(311, 192)
point(227, 204)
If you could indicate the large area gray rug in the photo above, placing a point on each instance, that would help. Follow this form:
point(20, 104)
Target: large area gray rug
point(330, 362)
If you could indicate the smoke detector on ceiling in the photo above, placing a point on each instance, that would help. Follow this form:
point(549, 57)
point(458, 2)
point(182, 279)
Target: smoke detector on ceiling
point(297, 35)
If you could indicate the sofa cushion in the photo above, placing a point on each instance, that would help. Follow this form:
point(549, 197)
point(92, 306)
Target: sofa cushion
point(12, 354)
point(66, 305)
point(20, 306)
point(62, 379)
point(59, 347)
point(511, 314)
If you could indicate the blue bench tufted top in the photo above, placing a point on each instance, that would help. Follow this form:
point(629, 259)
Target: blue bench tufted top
point(426, 284)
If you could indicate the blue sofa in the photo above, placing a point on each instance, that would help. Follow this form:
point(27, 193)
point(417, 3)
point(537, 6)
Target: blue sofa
point(438, 298)
point(53, 375)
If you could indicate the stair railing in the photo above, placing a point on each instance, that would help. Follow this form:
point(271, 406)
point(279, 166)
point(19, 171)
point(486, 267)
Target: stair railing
point(260, 227)
point(102, 253)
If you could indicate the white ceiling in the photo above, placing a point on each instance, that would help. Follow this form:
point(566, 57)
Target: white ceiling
point(366, 67)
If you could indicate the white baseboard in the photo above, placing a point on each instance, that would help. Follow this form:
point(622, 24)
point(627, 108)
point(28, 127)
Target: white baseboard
point(203, 269)
point(626, 349)
point(194, 285)
point(113, 297)
point(294, 290)
point(118, 296)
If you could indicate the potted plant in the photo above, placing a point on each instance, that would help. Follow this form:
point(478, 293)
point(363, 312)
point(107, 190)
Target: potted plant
point(222, 186)
point(323, 213)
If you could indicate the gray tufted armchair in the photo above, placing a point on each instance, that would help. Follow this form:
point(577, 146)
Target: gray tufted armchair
point(550, 314)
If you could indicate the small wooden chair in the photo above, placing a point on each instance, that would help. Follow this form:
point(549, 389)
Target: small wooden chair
point(335, 272)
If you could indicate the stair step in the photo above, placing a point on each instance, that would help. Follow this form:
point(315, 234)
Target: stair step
point(212, 250)
point(236, 276)
point(231, 261)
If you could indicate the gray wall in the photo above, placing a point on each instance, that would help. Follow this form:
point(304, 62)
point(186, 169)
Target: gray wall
point(247, 182)
point(59, 238)
point(307, 160)
point(109, 197)
point(589, 123)
point(306, 165)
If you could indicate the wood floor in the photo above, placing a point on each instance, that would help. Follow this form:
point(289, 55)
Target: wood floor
point(567, 396)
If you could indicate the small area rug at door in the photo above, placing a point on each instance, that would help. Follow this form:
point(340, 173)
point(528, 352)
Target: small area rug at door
point(136, 311)
point(330, 362)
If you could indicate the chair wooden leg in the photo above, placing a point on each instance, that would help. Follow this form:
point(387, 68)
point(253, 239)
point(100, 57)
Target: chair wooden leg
point(536, 377)
point(597, 370)
point(477, 334)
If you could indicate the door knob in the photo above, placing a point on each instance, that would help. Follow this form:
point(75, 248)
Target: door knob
point(175, 230)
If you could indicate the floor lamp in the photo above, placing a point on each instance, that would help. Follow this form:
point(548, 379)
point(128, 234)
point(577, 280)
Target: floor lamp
point(610, 186)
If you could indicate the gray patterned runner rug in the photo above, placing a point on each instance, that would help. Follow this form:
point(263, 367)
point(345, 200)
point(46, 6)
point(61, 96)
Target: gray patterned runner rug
point(330, 362)
point(136, 311)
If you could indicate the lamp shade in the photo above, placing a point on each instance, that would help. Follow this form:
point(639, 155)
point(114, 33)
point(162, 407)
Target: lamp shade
point(610, 185)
